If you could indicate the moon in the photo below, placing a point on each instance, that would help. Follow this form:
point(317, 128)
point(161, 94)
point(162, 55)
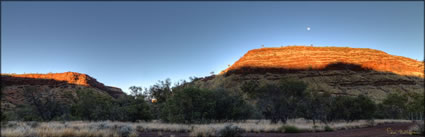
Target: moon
point(308, 28)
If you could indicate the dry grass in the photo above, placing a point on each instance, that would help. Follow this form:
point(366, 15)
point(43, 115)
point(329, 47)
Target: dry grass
point(115, 129)
point(301, 124)
point(62, 132)
point(66, 129)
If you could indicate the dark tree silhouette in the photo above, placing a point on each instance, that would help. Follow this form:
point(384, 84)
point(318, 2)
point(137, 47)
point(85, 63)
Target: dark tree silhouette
point(47, 106)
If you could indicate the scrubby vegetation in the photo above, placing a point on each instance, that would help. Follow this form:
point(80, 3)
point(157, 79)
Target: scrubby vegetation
point(88, 105)
point(291, 99)
point(289, 129)
point(187, 103)
point(194, 105)
point(196, 108)
point(91, 106)
point(230, 131)
point(327, 128)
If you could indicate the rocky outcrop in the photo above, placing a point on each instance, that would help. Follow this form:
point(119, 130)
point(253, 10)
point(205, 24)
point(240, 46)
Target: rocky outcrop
point(59, 79)
point(63, 85)
point(338, 70)
point(319, 58)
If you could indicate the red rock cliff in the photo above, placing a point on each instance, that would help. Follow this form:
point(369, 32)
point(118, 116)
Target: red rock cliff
point(58, 78)
point(308, 57)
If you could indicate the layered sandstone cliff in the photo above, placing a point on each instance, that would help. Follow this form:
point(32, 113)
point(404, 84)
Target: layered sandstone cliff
point(307, 57)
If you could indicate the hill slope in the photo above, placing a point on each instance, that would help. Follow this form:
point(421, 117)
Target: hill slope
point(339, 70)
point(13, 86)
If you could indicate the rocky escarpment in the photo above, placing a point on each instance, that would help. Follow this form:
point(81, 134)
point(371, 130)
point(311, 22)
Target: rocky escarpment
point(339, 70)
point(307, 57)
point(62, 84)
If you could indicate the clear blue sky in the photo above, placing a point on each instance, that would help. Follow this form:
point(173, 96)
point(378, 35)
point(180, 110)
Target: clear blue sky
point(137, 43)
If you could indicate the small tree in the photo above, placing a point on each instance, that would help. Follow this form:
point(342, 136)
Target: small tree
point(395, 105)
point(161, 91)
point(282, 101)
point(363, 108)
point(190, 105)
point(317, 106)
point(194, 105)
point(351, 108)
point(341, 108)
point(135, 91)
point(415, 105)
point(134, 109)
point(95, 106)
point(230, 107)
point(46, 107)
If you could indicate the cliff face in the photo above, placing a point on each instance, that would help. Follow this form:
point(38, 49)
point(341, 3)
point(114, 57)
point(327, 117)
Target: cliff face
point(339, 70)
point(303, 57)
point(13, 86)
point(68, 77)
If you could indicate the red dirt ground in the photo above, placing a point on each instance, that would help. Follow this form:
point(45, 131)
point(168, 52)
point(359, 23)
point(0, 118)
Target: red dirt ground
point(377, 131)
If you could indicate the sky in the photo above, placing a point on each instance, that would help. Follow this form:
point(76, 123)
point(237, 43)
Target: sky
point(138, 43)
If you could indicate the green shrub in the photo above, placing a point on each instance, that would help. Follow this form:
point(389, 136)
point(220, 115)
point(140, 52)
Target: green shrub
point(133, 109)
point(394, 105)
point(328, 129)
point(289, 129)
point(194, 105)
point(279, 101)
point(230, 131)
point(189, 105)
point(351, 108)
point(46, 106)
point(231, 107)
point(415, 104)
point(124, 131)
point(95, 106)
